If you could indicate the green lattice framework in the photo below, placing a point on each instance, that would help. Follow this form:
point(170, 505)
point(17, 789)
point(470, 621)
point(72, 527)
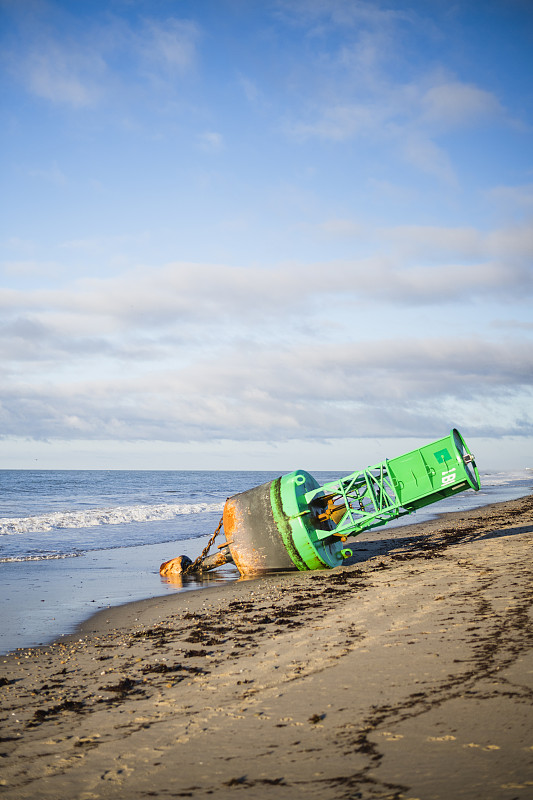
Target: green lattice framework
point(318, 519)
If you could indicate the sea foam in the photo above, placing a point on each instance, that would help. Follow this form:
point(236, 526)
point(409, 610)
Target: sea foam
point(93, 517)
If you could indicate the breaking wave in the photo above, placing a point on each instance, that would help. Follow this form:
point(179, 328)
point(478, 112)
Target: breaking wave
point(40, 557)
point(93, 517)
point(505, 478)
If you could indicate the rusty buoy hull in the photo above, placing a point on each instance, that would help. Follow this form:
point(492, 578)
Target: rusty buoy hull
point(252, 533)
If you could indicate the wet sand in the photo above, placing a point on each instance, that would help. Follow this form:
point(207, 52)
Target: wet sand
point(408, 674)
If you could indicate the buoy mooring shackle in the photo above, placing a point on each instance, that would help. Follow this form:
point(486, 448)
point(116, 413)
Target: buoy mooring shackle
point(294, 523)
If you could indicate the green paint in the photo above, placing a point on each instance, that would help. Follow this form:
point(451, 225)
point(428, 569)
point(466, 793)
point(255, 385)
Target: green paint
point(283, 525)
point(371, 498)
point(442, 456)
point(293, 488)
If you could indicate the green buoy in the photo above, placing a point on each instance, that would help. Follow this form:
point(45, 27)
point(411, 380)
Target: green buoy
point(294, 523)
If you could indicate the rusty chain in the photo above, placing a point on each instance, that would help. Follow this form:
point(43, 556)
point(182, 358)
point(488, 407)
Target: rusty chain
point(197, 561)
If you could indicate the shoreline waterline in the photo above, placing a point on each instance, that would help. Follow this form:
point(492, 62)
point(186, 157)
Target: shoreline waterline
point(46, 599)
point(370, 547)
point(95, 567)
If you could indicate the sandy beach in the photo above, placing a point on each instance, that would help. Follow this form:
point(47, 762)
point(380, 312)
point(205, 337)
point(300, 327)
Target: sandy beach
point(408, 674)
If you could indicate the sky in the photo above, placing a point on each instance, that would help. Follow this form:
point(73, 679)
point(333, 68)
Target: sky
point(264, 234)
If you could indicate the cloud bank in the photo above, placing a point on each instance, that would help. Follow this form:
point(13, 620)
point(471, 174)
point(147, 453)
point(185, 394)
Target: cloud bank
point(199, 351)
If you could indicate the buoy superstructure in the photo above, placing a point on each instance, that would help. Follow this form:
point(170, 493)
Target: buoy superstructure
point(294, 523)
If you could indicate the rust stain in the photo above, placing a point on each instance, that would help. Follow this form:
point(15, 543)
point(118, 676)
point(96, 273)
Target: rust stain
point(246, 558)
point(229, 516)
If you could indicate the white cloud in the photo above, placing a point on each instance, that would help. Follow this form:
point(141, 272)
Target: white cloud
point(407, 118)
point(513, 243)
point(31, 268)
point(367, 88)
point(513, 324)
point(52, 175)
point(80, 69)
point(250, 89)
point(430, 241)
point(105, 243)
point(456, 104)
point(338, 123)
point(390, 387)
point(509, 247)
point(211, 141)
point(198, 350)
point(171, 43)
point(512, 198)
point(342, 228)
point(63, 73)
point(419, 150)
point(409, 266)
point(321, 15)
point(20, 245)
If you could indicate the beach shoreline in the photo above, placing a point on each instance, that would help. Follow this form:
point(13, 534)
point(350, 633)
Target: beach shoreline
point(44, 598)
point(365, 681)
point(368, 545)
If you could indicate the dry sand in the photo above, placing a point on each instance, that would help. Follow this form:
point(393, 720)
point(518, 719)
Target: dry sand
point(406, 675)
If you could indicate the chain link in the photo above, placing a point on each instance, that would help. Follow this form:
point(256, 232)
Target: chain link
point(197, 562)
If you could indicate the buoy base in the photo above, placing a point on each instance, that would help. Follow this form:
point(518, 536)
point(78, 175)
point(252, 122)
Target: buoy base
point(270, 529)
point(252, 533)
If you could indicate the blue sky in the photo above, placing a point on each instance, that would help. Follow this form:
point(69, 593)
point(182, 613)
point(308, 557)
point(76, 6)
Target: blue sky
point(270, 234)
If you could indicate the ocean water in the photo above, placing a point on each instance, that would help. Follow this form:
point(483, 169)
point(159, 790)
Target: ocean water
point(73, 542)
